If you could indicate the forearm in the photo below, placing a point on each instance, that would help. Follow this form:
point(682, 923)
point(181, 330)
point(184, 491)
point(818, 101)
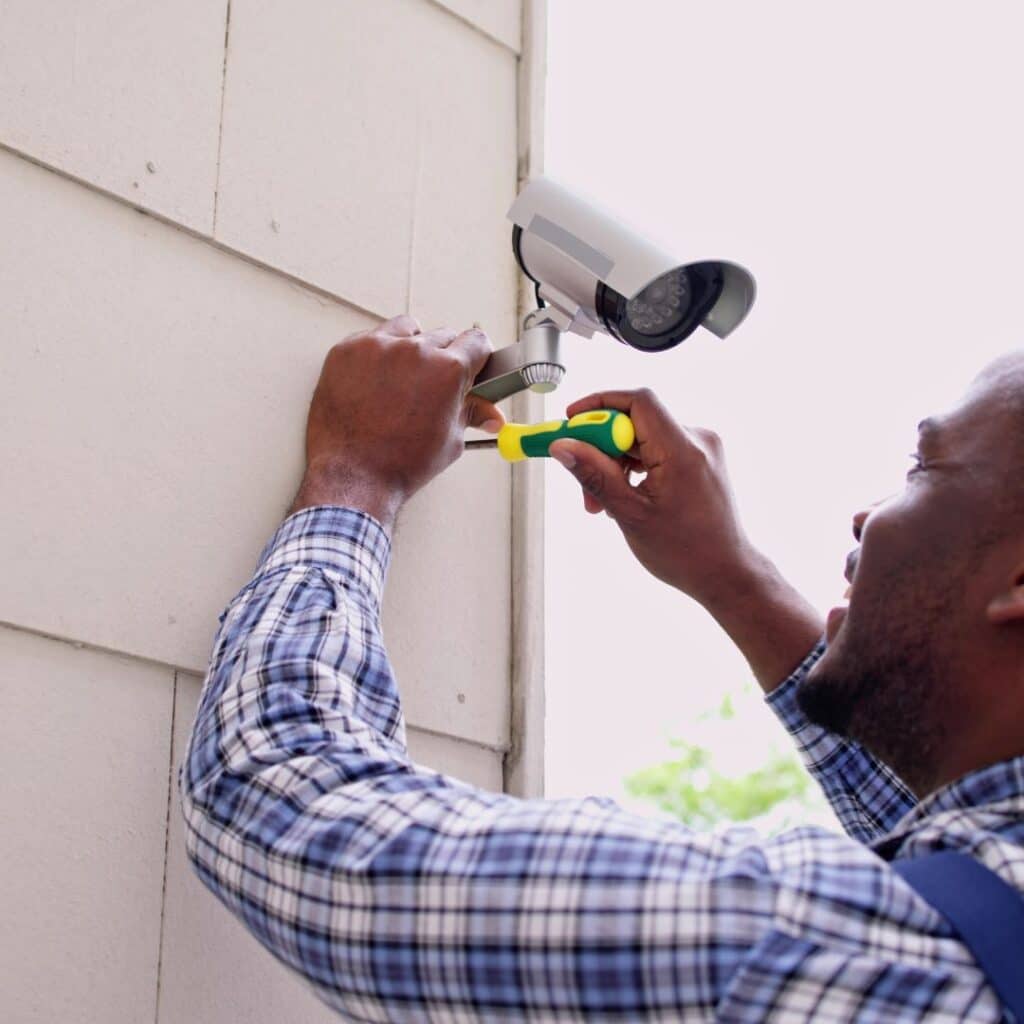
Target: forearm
point(770, 622)
point(298, 743)
point(298, 667)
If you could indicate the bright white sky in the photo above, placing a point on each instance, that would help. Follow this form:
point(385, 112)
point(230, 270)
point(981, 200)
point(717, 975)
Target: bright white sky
point(865, 162)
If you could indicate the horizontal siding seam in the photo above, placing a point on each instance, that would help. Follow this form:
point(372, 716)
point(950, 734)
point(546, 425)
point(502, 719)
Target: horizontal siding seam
point(82, 645)
point(491, 748)
point(515, 50)
point(316, 291)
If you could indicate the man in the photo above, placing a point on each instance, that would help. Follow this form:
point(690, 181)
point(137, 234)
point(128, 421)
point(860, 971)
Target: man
point(401, 894)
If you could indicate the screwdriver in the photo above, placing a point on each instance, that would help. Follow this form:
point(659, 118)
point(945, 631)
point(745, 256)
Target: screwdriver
point(607, 429)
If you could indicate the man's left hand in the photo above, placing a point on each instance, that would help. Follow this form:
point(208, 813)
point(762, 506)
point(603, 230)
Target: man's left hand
point(388, 414)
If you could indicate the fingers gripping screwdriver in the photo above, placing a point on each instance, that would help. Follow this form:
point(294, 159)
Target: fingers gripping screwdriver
point(607, 429)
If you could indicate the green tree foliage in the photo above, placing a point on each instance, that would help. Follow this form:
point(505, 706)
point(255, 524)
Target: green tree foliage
point(692, 788)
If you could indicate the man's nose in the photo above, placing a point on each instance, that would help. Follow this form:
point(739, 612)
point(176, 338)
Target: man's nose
point(862, 517)
point(859, 519)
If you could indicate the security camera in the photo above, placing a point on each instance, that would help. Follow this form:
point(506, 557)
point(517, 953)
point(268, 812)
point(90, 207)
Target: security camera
point(599, 275)
point(593, 273)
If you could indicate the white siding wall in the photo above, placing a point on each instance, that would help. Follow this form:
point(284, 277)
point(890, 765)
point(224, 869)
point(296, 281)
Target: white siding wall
point(196, 201)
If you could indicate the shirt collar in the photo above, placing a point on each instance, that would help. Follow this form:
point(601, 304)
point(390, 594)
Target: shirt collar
point(996, 784)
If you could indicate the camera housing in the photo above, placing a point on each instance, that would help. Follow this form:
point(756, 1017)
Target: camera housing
point(598, 274)
point(593, 273)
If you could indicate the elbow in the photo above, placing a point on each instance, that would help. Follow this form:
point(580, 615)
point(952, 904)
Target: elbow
point(193, 815)
point(202, 827)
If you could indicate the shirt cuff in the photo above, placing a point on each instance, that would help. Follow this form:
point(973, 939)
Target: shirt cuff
point(782, 700)
point(347, 541)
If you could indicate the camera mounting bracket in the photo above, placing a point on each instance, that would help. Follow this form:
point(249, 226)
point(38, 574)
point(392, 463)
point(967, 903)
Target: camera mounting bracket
point(533, 362)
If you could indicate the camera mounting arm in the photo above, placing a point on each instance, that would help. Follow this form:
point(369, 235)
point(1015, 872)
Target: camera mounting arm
point(534, 362)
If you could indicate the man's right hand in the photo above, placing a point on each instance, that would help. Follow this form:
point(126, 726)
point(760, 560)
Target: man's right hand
point(681, 520)
point(682, 524)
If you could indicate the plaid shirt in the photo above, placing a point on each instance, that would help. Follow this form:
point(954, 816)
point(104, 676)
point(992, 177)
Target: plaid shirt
point(403, 895)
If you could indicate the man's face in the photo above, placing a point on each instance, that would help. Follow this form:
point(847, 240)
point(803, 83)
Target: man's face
point(899, 660)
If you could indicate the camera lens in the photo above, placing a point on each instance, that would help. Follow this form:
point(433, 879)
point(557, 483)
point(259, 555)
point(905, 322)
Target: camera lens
point(662, 305)
point(666, 311)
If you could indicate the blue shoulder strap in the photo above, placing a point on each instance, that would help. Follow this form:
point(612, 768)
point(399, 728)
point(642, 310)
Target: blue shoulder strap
point(985, 912)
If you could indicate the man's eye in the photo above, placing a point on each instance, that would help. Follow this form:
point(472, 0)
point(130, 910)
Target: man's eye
point(917, 464)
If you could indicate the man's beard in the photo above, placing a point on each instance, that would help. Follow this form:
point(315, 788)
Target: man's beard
point(887, 691)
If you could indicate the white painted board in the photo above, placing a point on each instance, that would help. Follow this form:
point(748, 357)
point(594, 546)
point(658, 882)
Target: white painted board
point(85, 741)
point(153, 393)
point(447, 612)
point(457, 758)
point(369, 148)
point(463, 268)
point(123, 95)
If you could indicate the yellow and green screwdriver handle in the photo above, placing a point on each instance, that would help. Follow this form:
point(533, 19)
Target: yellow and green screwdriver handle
point(607, 429)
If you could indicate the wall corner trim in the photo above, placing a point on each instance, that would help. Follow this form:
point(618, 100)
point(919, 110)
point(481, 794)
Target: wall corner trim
point(524, 762)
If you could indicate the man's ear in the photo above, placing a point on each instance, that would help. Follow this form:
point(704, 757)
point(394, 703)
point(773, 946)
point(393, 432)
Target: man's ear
point(1008, 606)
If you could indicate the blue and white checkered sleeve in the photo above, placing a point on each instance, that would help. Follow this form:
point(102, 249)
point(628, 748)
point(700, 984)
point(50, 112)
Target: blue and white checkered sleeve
point(867, 796)
point(402, 894)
